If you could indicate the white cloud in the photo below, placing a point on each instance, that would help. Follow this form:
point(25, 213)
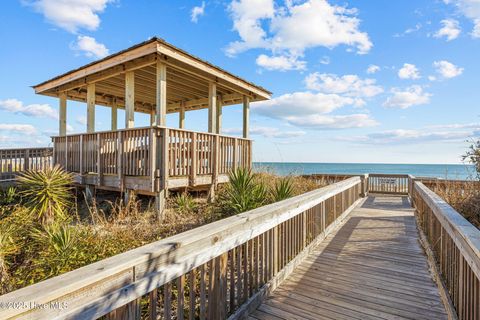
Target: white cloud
point(18, 128)
point(471, 125)
point(318, 121)
point(81, 120)
point(34, 110)
point(350, 85)
point(268, 132)
point(409, 71)
point(410, 96)
point(71, 15)
point(373, 69)
point(294, 27)
point(447, 69)
point(312, 110)
point(197, 11)
point(325, 60)
point(450, 29)
point(281, 63)
point(400, 136)
point(417, 27)
point(90, 47)
point(471, 10)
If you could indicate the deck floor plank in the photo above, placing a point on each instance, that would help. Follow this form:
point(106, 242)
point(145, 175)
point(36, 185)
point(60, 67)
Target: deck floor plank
point(372, 267)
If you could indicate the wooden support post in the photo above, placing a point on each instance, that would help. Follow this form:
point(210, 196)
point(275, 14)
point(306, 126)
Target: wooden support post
point(120, 160)
point(91, 108)
point(181, 116)
point(162, 161)
point(129, 99)
point(246, 116)
point(193, 167)
point(161, 84)
point(62, 125)
point(215, 156)
point(114, 113)
point(212, 107)
point(219, 116)
point(152, 117)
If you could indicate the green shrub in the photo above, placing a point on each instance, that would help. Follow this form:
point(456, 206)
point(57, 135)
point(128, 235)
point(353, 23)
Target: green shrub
point(58, 242)
point(243, 192)
point(47, 192)
point(184, 203)
point(282, 190)
point(7, 248)
point(8, 196)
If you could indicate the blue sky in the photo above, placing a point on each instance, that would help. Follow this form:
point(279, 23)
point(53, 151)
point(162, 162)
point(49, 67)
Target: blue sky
point(352, 81)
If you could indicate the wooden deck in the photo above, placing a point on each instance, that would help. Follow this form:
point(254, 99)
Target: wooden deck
point(372, 267)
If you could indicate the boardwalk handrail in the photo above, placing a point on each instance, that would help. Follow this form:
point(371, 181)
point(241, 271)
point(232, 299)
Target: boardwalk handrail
point(229, 263)
point(13, 161)
point(455, 243)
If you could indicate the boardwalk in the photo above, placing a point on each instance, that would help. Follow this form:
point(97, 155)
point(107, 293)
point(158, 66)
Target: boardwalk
point(373, 267)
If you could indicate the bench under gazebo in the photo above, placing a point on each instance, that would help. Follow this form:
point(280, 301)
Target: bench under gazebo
point(155, 78)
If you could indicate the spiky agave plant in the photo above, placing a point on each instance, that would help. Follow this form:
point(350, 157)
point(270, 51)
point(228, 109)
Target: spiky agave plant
point(47, 192)
point(244, 192)
point(59, 241)
point(185, 203)
point(283, 189)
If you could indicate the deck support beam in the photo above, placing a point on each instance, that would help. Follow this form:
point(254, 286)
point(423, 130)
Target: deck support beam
point(246, 116)
point(212, 107)
point(114, 115)
point(219, 115)
point(91, 108)
point(62, 125)
point(129, 99)
point(181, 116)
point(161, 95)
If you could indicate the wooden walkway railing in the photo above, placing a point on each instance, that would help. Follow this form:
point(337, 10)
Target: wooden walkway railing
point(455, 244)
point(152, 158)
point(219, 270)
point(13, 161)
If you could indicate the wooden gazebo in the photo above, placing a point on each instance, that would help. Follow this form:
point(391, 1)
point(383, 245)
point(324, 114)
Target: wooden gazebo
point(156, 78)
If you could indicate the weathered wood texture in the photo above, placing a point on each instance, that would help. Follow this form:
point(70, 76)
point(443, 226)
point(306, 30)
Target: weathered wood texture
point(455, 243)
point(113, 158)
point(205, 273)
point(13, 161)
point(371, 268)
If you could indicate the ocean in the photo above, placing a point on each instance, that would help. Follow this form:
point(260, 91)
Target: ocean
point(445, 171)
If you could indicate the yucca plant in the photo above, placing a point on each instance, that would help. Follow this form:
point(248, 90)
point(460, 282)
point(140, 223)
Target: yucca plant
point(243, 192)
point(47, 192)
point(8, 196)
point(184, 203)
point(59, 241)
point(282, 190)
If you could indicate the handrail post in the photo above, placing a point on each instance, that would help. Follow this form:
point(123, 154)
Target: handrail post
point(193, 167)
point(26, 161)
point(152, 148)
point(235, 154)
point(119, 160)
point(99, 160)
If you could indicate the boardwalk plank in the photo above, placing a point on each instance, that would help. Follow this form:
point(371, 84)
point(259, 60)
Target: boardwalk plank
point(373, 267)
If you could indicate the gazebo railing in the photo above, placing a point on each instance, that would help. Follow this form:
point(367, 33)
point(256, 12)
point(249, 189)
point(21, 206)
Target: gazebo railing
point(154, 153)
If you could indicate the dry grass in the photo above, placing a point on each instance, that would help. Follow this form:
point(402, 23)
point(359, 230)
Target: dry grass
point(463, 196)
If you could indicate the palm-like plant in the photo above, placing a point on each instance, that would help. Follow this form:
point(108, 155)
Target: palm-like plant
point(47, 192)
point(185, 203)
point(244, 192)
point(60, 242)
point(283, 189)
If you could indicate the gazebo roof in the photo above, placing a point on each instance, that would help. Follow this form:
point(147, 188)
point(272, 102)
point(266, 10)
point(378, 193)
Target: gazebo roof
point(188, 79)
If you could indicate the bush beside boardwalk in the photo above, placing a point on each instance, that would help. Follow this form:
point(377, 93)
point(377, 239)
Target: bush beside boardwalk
point(45, 230)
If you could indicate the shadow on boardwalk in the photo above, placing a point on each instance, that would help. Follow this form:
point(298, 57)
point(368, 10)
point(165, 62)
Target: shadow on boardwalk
point(372, 267)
